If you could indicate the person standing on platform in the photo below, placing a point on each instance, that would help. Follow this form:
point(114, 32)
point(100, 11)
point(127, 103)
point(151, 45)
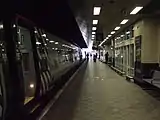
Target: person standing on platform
point(106, 57)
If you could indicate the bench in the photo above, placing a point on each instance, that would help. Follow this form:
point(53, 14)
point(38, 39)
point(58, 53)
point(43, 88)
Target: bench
point(155, 80)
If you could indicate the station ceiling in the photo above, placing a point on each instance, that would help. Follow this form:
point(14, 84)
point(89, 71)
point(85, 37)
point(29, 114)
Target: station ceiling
point(112, 13)
point(55, 16)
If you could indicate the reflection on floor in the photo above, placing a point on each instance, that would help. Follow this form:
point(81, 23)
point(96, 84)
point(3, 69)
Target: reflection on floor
point(98, 93)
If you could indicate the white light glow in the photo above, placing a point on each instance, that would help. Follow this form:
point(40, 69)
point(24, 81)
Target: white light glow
point(56, 48)
point(136, 10)
point(109, 35)
point(95, 22)
point(14, 25)
point(44, 35)
point(122, 35)
point(96, 10)
point(117, 28)
point(124, 21)
point(93, 36)
point(45, 44)
point(52, 48)
point(31, 85)
point(38, 43)
point(56, 43)
point(1, 26)
point(47, 39)
point(51, 41)
point(93, 33)
point(113, 32)
point(35, 31)
point(128, 32)
point(94, 28)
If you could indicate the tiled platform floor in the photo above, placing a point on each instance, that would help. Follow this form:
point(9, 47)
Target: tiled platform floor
point(98, 93)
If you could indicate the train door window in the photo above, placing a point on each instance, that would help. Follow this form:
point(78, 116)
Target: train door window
point(27, 63)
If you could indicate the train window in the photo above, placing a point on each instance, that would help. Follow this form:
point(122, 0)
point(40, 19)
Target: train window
point(27, 63)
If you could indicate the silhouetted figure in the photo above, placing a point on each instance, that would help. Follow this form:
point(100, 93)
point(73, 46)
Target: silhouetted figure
point(106, 57)
point(87, 56)
point(94, 58)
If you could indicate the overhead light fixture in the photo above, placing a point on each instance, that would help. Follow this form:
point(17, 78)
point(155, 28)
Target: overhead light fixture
point(56, 43)
point(45, 44)
point(52, 48)
point(35, 31)
point(51, 41)
point(95, 22)
point(122, 35)
point(117, 28)
point(93, 36)
point(93, 33)
point(44, 35)
point(136, 10)
point(94, 28)
point(113, 32)
point(124, 21)
point(128, 32)
point(56, 48)
point(109, 35)
point(47, 39)
point(96, 10)
point(38, 43)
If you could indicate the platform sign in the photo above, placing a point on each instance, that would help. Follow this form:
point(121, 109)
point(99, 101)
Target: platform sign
point(138, 48)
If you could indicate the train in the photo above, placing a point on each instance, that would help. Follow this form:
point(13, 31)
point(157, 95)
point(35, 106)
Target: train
point(34, 65)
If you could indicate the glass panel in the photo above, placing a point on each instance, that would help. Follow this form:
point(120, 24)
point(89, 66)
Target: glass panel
point(28, 66)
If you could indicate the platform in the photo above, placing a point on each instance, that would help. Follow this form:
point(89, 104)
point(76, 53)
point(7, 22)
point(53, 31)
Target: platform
point(99, 93)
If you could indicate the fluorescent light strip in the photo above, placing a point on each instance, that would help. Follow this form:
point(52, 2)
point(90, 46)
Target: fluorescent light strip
point(109, 35)
point(93, 36)
point(117, 28)
point(113, 32)
point(95, 22)
point(94, 28)
point(136, 10)
point(93, 33)
point(124, 21)
point(96, 10)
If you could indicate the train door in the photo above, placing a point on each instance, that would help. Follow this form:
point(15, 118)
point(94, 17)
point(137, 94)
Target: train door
point(28, 63)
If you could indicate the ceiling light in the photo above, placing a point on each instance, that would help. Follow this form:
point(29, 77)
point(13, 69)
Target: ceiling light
point(56, 43)
point(35, 31)
point(117, 28)
point(52, 48)
point(93, 36)
point(96, 10)
point(93, 33)
point(136, 10)
point(124, 21)
point(122, 35)
point(47, 39)
point(94, 28)
point(109, 35)
point(45, 44)
point(128, 32)
point(44, 35)
point(113, 32)
point(51, 41)
point(56, 48)
point(38, 43)
point(95, 22)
